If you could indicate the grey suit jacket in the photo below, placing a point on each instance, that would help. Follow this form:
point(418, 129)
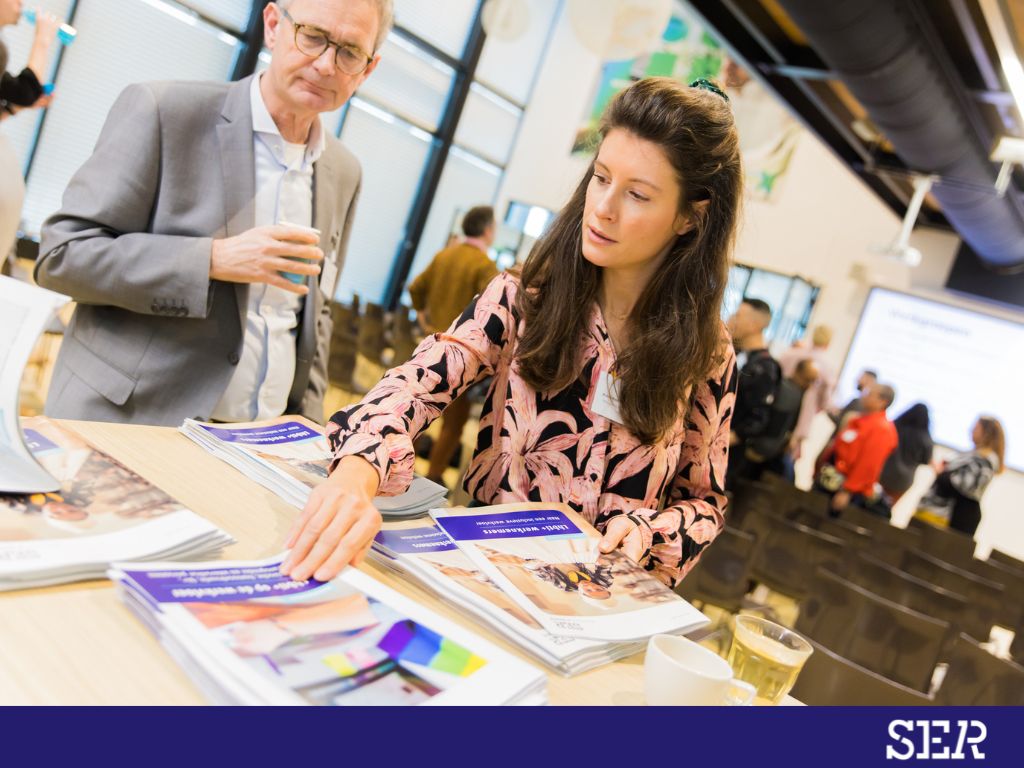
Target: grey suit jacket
point(153, 339)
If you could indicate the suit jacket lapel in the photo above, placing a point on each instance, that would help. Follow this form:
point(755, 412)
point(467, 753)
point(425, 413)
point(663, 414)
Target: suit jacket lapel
point(238, 166)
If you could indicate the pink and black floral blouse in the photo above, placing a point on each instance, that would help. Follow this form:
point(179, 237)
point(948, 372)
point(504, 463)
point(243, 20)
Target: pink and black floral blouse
point(550, 446)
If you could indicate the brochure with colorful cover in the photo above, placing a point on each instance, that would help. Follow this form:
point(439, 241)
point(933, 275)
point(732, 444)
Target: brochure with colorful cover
point(429, 556)
point(546, 558)
point(101, 512)
point(252, 636)
point(290, 456)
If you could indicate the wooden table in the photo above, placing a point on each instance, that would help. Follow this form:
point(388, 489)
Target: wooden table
point(77, 643)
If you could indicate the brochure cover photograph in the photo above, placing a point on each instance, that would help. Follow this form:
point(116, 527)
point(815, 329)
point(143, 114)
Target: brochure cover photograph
point(101, 512)
point(546, 557)
point(262, 638)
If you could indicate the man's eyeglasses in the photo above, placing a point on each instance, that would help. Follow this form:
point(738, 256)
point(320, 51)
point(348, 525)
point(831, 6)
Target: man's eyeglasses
point(313, 41)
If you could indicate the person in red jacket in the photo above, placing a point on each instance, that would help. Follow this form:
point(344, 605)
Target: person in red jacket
point(854, 461)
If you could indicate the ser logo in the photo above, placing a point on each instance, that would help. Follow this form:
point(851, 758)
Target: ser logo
point(932, 739)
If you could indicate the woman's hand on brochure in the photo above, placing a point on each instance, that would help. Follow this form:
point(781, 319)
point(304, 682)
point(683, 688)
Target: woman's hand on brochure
point(623, 533)
point(338, 524)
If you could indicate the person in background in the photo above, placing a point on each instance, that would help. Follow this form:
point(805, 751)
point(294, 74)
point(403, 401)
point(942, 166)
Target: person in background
point(819, 397)
point(853, 461)
point(614, 378)
point(439, 294)
point(840, 416)
point(955, 497)
point(19, 91)
point(187, 237)
point(913, 449)
point(769, 450)
point(759, 379)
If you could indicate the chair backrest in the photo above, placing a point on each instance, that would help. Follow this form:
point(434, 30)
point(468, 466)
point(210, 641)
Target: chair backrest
point(889, 540)
point(890, 639)
point(750, 496)
point(812, 501)
point(722, 575)
point(976, 677)
point(371, 336)
point(910, 591)
point(1011, 610)
point(791, 551)
point(373, 310)
point(984, 597)
point(1001, 557)
point(828, 679)
point(948, 544)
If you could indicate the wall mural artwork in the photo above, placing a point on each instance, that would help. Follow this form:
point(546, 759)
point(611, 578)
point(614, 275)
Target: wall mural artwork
point(687, 51)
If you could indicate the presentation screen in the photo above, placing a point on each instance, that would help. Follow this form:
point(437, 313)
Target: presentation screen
point(959, 363)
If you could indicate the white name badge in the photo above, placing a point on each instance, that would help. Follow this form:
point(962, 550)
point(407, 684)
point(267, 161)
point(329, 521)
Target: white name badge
point(606, 397)
point(848, 436)
point(329, 276)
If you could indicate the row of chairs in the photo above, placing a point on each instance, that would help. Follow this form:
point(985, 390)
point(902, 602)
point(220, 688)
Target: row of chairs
point(880, 607)
point(365, 337)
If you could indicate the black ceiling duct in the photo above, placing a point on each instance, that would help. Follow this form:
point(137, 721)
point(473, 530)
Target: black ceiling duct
point(876, 47)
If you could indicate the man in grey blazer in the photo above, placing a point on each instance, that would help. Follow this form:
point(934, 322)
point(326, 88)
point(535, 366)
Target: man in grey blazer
point(185, 238)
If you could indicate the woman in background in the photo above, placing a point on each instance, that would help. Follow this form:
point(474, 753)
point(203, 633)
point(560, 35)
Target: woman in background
point(614, 379)
point(955, 497)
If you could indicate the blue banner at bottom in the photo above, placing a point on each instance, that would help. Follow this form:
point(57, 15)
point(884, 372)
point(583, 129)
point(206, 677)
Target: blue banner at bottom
point(543, 736)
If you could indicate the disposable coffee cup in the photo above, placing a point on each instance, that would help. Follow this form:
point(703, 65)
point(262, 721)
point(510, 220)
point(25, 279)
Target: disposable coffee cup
point(292, 276)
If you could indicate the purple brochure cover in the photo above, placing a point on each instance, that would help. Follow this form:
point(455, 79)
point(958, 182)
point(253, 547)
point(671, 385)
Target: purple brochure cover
point(218, 585)
point(530, 523)
point(412, 540)
point(287, 432)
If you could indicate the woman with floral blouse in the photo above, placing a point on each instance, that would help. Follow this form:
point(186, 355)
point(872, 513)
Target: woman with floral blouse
point(613, 376)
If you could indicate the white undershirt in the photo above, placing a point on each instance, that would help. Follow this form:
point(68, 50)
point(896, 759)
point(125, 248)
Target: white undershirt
point(259, 387)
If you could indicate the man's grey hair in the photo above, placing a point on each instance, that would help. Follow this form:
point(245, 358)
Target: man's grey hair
point(385, 13)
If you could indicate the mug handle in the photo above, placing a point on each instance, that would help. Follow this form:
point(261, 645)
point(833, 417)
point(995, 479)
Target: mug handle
point(741, 694)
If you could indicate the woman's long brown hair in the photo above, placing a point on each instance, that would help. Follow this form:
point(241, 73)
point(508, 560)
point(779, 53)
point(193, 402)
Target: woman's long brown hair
point(993, 438)
point(674, 330)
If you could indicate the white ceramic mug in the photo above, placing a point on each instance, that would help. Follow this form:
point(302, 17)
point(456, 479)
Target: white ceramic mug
point(680, 672)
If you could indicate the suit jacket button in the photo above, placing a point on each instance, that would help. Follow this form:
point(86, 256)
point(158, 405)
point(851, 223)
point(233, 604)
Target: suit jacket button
point(233, 358)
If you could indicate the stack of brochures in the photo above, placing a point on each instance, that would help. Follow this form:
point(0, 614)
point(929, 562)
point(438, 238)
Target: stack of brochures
point(245, 634)
point(533, 573)
point(101, 512)
point(290, 456)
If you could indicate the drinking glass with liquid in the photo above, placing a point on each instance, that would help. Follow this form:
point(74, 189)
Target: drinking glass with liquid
point(768, 656)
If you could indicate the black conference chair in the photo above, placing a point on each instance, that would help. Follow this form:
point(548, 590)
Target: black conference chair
point(889, 639)
point(947, 544)
point(748, 496)
point(722, 575)
point(1005, 559)
point(912, 592)
point(984, 597)
point(790, 552)
point(828, 679)
point(976, 677)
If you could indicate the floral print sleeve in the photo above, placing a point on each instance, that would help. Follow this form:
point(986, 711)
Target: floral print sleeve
point(382, 426)
point(694, 513)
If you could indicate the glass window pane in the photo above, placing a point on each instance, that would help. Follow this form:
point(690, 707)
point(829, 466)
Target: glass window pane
point(488, 125)
point(509, 66)
point(466, 181)
point(793, 318)
point(445, 25)
point(233, 14)
point(21, 129)
point(772, 288)
point(105, 58)
point(392, 154)
point(410, 83)
point(738, 277)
